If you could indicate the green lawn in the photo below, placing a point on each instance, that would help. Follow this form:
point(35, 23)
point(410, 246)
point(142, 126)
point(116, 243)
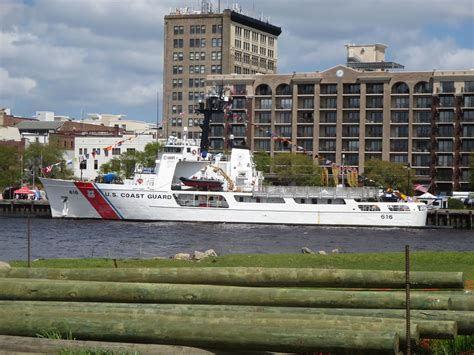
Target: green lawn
point(420, 261)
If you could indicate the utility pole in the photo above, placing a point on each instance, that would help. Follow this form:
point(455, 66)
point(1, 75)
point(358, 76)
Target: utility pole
point(157, 113)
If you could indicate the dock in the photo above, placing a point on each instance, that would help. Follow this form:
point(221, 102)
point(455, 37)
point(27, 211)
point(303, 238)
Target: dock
point(462, 219)
point(23, 208)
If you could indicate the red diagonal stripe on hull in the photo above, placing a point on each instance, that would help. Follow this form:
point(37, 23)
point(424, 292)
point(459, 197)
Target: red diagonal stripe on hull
point(96, 200)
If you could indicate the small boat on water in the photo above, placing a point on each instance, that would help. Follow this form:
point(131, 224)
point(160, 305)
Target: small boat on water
point(189, 184)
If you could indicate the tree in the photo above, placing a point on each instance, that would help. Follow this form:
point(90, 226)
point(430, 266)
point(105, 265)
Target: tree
point(386, 174)
point(38, 156)
point(262, 161)
point(296, 169)
point(10, 167)
point(150, 154)
point(125, 164)
point(112, 165)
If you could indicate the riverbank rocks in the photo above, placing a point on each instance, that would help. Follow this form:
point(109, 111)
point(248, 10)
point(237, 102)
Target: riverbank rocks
point(306, 250)
point(4, 265)
point(182, 256)
point(202, 255)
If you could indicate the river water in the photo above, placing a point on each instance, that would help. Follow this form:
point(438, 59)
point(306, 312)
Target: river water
point(57, 238)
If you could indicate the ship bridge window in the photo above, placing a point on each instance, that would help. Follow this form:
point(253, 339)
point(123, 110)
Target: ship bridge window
point(173, 149)
point(194, 200)
point(369, 208)
point(398, 208)
point(320, 201)
point(255, 199)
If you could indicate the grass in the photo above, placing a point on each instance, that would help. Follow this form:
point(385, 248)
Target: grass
point(419, 261)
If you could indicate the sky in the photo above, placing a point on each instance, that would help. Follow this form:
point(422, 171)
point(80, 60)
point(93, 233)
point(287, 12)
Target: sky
point(75, 57)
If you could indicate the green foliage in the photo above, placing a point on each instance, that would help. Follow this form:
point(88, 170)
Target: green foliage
point(38, 156)
point(125, 164)
point(10, 167)
point(148, 157)
point(420, 261)
point(390, 175)
point(296, 169)
point(112, 165)
point(95, 352)
point(459, 345)
point(455, 204)
point(262, 161)
point(55, 334)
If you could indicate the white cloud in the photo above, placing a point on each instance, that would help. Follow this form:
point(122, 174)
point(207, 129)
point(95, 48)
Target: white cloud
point(11, 86)
point(437, 54)
point(107, 55)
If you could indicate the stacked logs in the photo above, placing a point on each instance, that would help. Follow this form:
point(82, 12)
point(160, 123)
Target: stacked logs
point(270, 309)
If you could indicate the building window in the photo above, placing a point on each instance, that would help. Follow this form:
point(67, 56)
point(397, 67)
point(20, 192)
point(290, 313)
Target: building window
point(80, 151)
point(375, 88)
point(328, 89)
point(399, 117)
point(178, 43)
point(264, 117)
point(177, 69)
point(447, 86)
point(217, 42)
point(216, 28)
point(96, 164)
point(399, 158)
point(178, 30)
point(351, 89)
point(115, 151)
point(216, 69)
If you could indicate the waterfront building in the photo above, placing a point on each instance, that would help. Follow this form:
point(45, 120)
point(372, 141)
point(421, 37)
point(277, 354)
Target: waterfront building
point(349, 114)
point(91, 152)
point(203, 42)
point(120, 121)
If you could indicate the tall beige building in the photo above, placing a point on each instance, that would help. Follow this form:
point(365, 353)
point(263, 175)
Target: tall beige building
point(349, 114)
point(199, 43)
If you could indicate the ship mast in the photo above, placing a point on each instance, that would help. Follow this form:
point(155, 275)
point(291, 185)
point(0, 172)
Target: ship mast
point(214, 105)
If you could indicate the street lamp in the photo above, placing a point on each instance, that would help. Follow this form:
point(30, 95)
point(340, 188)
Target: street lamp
point(408, 179)
point(342, 169)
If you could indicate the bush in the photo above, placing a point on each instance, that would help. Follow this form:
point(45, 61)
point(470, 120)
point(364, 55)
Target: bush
point(455, 204)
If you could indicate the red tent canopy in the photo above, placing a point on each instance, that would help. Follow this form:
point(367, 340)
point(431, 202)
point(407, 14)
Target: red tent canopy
point(24, 190)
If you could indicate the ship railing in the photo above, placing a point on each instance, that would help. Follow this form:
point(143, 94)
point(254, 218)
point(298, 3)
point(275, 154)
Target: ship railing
point(317, 192)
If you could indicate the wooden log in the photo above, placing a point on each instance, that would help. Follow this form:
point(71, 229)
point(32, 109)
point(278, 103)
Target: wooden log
point(196, 332)
point(58, 290)
point(463, 302)
point(251, 276)
point(223, 318)
point(16, 344)
point(428, 320)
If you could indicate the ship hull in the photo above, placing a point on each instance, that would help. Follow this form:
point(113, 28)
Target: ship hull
point(73, 199)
